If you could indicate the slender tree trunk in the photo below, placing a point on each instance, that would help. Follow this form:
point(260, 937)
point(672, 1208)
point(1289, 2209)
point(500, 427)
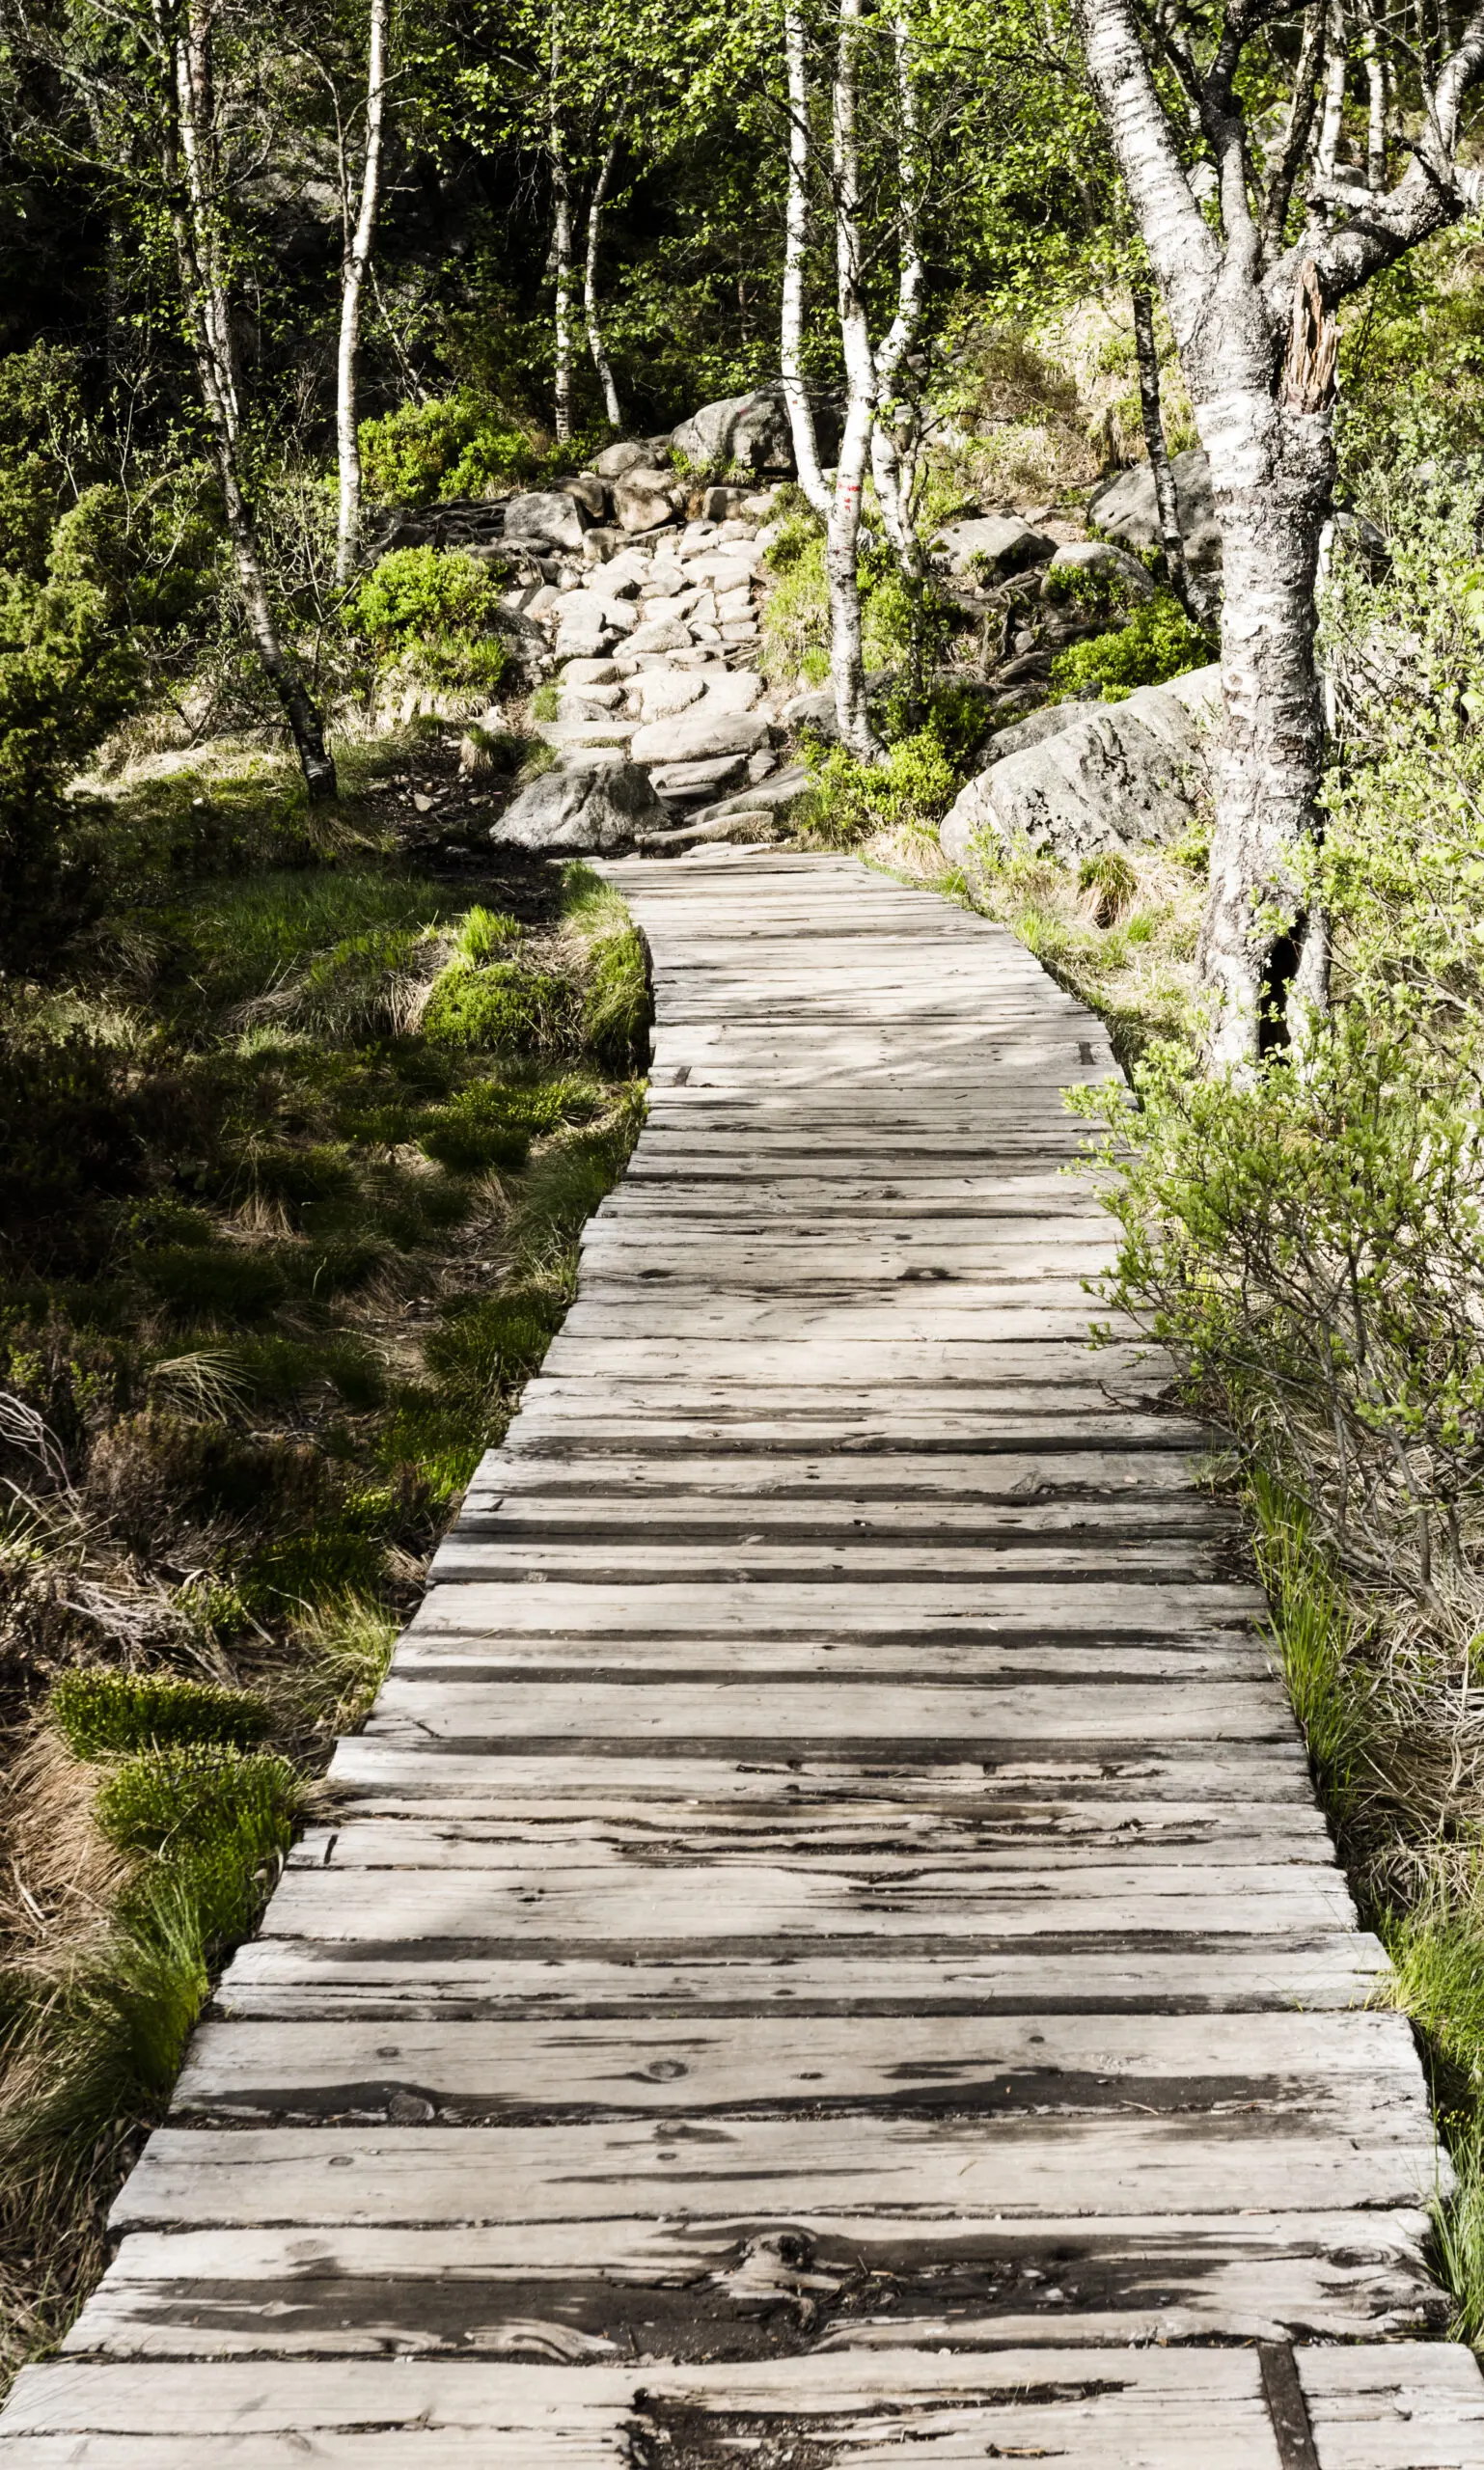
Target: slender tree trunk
point(196, 155)
point(1165, 497)
point(562, 250)
point(1263, 400)
point(893, 464)
point(1376, 117)
point(1328, 148)
point(1262, 953)
point(847, 667)
point(415, 386)
point(1296, 135)
point(801, 412)
point(205, 299)
point(595, 344)
point(353, 266)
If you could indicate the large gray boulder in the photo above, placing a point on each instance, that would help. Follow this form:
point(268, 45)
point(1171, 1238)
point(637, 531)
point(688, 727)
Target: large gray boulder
point(545, 519)
point(697, 735)
point(1106, 567)
point(644, 499)
point(751, 431)
point(586, 813)
point(1115, 774)
point(1125, 508)
point(991, 544)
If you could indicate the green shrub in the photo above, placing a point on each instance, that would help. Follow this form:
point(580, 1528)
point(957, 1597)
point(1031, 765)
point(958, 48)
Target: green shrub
point(615, 998)
point(316, 1568)
point(431, 611)
point(505, 1008)
point(213, 1281)
point(916, 782)
point(450, 448)
point(1159, 641)
point(185, 1803)
point(366, 985)
point(98, 1711)
point(73, 1138)
point(1109, 884)
point(796, 614)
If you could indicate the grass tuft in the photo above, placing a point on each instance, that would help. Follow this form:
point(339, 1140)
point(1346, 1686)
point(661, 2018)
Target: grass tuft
point(99, 1710)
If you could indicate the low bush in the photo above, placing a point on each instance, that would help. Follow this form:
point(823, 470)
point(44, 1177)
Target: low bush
point(431, 612)
point(1158, 641)
point(915, 784)
point(99, 1711)
point(185, 1804)
point(454, 448)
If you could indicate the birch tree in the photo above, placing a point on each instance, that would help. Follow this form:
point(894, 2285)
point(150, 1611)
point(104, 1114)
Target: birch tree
point(355, 260)
point(561, 263)
point(596, 346)
point(796, 240)
point(172, 111)
point(1253, 309)
point(876, 432)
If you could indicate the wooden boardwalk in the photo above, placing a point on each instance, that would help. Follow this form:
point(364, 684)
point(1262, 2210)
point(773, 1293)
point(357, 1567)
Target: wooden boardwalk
point(826, 1953)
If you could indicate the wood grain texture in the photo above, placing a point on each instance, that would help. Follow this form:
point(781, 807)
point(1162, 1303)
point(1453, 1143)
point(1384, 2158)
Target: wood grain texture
point(825, 1952)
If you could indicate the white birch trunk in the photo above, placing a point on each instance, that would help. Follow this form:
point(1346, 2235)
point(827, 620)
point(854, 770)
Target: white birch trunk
point(1261, 956)
point(848, 668)
point(1376, 117)
point(801, 414)
point(354, 262)
point(562, 251)
point(595, 344)
point(186, 161)
point(894, 457)
point(1327, 149)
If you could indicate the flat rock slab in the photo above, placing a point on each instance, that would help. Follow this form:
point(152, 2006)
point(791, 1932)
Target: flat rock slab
point(825, 1951)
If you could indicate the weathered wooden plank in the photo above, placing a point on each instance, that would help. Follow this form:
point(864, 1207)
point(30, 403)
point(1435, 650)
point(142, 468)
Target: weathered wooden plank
point(1227, 1974)
point(796, 1712)
point(1335, 2068)
point(930, 1485)
point(548, 1503)
point(722, 1606)
point(755, 1902)
point(778, 2166)
point(1394, 2408)
point(659, 2288)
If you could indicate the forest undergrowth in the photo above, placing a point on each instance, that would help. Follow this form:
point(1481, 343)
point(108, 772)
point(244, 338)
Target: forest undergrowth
point(1307, 1244)
point(293, 1160)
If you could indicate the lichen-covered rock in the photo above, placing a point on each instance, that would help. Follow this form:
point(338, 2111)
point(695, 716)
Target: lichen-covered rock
point(750, 431)
point(586, 812)
point(1115, 774)
point(643, 498)
point(994, 544)
point(614, 460)
point(1125, 508)
point(546, 519)
point(1104, 564)
point(693, 736)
